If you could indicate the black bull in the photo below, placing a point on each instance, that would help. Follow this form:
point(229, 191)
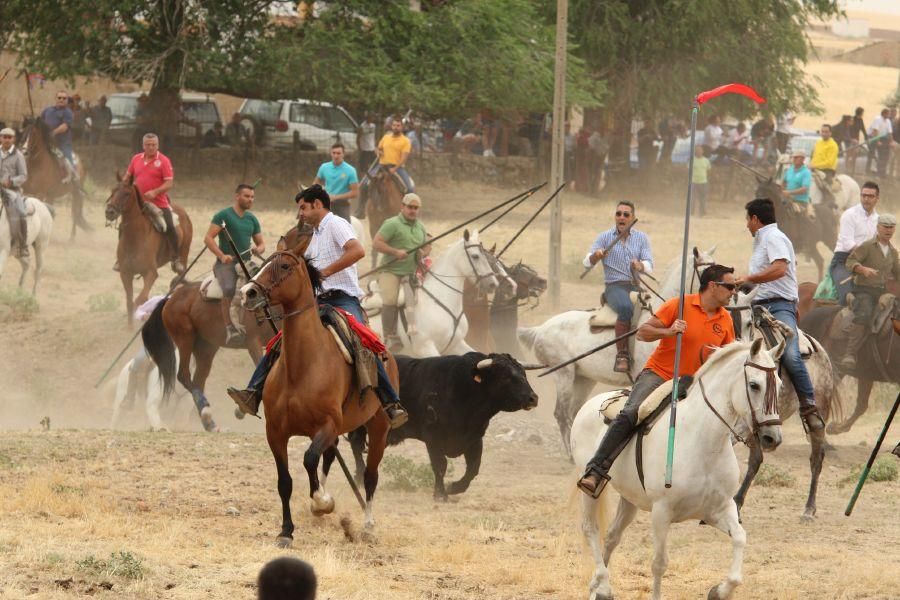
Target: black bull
point(451, 400)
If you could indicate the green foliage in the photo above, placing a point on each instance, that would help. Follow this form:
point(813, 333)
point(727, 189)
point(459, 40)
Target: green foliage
point(408, 475)
point(120, 564)
point(883, 469)
point(450, 59)
point(104, 302)
point(772, 476)
point(67, 490)
point(22, 304)
point(656, 55)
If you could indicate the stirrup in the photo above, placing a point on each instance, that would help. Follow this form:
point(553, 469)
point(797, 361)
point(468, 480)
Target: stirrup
point(622, 356)
point(245, 399)
point(396, 414)
point(599, 481)
point(811, 419)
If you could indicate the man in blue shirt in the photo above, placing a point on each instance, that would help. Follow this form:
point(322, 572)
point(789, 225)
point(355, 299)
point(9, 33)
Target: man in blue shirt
point(620, 261)
point(797, 179)
point(58, 119)
point(340, 181)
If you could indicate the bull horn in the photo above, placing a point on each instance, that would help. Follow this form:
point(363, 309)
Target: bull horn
point(532, 366)
point(484, 363)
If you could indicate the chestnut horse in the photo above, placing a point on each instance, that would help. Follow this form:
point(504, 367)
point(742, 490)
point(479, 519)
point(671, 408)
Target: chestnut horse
point(45, 176)
point(311, 390)
point(142, 249)
point(195, 327)
point(385, 196)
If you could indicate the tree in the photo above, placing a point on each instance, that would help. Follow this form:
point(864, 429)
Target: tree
point(655, 55)
point(452, 58)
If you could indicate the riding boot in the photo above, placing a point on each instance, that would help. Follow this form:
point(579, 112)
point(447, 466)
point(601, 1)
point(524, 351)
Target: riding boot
point(172, 236)
point(856, 336)
point(389, 325)
point(809, 415)
point(395, 412)
point(623, 357)
point(23, 237)
point(596, 475)
point(248, 400)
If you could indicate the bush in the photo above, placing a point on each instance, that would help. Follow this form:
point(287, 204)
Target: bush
point(883, 469)
point(21, 303)
point(119, 564)
point(772, 476)
point(408, 475)
point(102, 303)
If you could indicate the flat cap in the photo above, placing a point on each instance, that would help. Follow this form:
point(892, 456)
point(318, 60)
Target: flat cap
point(886, 219)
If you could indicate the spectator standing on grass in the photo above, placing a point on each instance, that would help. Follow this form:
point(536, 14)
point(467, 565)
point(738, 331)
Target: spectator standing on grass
point(700, 181)
point(340, 180)
point(101, 118)
point(883, 128)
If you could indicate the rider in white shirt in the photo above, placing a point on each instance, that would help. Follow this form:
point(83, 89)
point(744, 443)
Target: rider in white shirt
point(858, 224)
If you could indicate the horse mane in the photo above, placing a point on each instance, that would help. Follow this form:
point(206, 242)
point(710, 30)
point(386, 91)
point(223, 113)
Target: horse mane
point(315, 277)
point(722, 355)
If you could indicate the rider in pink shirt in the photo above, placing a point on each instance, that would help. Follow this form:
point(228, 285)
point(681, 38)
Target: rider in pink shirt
point(153, 177)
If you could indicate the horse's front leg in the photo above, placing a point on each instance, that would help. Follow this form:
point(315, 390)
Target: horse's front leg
point(661, 520)
point(754, 461)
point(624, 516)
point(377, 428)
point(321, 502)
point(728, 522)
point(148, 278)
point(816, 456)
point(128, 283)
point(278, 444)
point(599, 588)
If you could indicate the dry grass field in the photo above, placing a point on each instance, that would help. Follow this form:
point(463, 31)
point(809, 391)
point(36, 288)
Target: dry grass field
point(134, 514)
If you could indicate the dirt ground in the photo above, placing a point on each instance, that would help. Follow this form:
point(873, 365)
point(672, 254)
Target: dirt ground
point(85, 510)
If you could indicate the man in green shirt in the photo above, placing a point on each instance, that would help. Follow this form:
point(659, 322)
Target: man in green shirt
point(397, 236)
point(245, 231)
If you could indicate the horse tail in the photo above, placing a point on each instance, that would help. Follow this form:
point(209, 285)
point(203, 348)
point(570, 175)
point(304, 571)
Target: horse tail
point(160, 347)
point(528, 336)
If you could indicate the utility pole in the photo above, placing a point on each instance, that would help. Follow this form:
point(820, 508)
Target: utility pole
point(558, 148)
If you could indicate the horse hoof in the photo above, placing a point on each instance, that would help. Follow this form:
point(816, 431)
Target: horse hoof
point(835, 429)
point(321, 504)
point(808, 517)
point(238, 414)
point(599, 596)
point(283, 541)
point(714, 594)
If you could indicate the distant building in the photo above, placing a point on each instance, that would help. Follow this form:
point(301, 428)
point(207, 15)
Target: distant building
point(851, 28)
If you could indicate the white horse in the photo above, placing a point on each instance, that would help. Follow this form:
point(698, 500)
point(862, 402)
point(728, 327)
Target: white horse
point(139, 380)
point(569, 334)
point(442, 325)
point(738, 384)
point(40, 224)
point(844, 199)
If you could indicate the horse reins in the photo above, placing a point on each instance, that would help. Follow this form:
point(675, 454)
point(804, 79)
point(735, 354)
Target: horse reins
point(769, 406)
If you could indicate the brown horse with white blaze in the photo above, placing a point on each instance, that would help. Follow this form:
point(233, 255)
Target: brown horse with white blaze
point(311, 390)
point(142, 249)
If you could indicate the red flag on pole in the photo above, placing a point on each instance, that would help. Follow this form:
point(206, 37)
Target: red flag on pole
point(731, 88)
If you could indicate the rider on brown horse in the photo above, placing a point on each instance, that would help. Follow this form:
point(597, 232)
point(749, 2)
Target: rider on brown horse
point(243, 227)
point(393, 151)
point(153, 177)
point(13, 174)
point(870, 262)
point(59, 119)
point(334, 251)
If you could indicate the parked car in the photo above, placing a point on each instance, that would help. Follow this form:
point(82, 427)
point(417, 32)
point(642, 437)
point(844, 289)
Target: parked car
point(300, 124)
point(199, 111)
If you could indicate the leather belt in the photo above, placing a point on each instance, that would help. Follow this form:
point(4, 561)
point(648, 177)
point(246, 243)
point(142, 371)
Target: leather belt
point(772, 300)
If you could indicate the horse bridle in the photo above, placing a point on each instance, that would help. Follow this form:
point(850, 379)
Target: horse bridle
point(277, 279)
point(769, 406)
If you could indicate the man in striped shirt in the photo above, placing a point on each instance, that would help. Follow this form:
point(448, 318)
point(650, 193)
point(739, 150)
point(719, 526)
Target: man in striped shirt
point(620, 261)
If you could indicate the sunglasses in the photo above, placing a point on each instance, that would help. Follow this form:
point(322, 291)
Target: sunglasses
point(620, 213)
point(728, 286)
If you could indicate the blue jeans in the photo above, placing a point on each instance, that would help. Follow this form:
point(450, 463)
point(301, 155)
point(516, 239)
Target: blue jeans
point(617, 296)
point(351, 305)
point(839, 273)
point(401, 172)
point(786, 312)
point(66, 149)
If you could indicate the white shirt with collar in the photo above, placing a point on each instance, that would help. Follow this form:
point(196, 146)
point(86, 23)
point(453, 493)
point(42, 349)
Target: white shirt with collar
point(771, 244)
point(326, 246)
point(880, 125)
point(856, 227)
point(5, 153)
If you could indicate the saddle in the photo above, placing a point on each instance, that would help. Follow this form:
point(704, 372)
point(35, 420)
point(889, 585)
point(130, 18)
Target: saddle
point(356, 351)
point(773, 331)
point(884, 308)
point(211, 291)
point(649, 412)
point(604, 316)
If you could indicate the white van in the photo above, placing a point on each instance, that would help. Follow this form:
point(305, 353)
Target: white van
point(300, 124)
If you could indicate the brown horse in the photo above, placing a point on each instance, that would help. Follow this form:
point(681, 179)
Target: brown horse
point(311, 390)
point(807, 301)
point(142, 249)
point(804, 233)
point(196, 327)
point(45, 176)
point(385, 196)
point(878, 359)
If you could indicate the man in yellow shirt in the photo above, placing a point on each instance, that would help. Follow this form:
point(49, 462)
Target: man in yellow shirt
point(825, 155)
point(393, 150)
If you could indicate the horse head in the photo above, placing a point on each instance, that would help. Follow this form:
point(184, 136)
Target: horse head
point(507, 285)
point(122, 195)
point(473, 261)
point(296, 239)
point(285, 278)
point(529, 283)
point(761, 385)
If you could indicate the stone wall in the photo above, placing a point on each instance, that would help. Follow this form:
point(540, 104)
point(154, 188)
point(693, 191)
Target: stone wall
point(285, 168)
